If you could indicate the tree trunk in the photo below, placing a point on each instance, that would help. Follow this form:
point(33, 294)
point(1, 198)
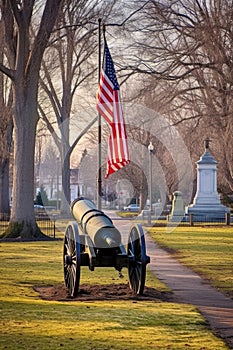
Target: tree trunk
point(4, 188)
point(65, 161)
point(65, 201)
point(22, 220)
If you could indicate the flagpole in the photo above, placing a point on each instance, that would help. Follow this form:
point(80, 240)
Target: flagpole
point(99, 179)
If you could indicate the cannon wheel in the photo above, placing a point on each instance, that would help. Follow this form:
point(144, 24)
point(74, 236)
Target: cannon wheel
point(136, 250)
point(72, 259)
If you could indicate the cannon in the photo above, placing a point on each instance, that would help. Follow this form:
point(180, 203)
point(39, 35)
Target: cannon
point(92, 240)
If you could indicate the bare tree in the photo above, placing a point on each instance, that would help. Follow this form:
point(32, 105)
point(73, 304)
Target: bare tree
point(185, 48)
point(70, 65)
point(24, 73)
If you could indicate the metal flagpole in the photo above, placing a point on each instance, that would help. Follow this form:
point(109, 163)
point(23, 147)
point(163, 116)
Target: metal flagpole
point(99, 179)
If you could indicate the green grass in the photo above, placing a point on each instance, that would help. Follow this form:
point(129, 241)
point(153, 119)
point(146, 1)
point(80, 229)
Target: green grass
point(27, 322)
point(127, 214)
point(207, 250)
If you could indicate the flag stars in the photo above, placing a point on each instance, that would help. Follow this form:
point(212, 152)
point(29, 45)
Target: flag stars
point(109, 69)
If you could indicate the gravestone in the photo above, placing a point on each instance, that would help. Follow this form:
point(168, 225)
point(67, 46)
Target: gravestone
point(177, 212)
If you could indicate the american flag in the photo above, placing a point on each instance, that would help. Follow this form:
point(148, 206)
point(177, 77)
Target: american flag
point(109, 107)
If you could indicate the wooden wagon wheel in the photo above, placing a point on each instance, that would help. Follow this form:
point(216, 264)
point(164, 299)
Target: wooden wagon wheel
point(72, 259)
point(138, 259)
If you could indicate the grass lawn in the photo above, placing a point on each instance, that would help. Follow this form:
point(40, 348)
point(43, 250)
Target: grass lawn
point(27, 322)
point(208, 250)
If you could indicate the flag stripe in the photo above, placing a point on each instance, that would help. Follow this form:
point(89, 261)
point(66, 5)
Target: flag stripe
point(109, 107)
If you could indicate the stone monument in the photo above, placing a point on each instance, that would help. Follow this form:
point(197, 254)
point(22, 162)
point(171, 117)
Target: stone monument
point(207, 200)
point(177, 213)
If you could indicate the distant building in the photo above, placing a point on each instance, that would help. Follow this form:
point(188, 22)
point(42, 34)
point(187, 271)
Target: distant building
point(52, 183)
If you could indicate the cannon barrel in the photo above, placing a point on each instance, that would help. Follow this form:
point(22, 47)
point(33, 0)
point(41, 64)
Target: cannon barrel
point(95, 223)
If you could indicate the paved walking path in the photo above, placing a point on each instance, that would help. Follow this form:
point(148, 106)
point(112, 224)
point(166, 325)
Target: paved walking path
point(190, 288)
point(187, 286)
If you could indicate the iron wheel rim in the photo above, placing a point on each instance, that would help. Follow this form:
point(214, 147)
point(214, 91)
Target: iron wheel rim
point(137, 259)
point(72, 259)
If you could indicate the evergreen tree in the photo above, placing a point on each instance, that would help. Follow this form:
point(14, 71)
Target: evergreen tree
point(42, 198)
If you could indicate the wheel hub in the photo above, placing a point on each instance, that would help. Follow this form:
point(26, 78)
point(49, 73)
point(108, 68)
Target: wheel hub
point(68, 259)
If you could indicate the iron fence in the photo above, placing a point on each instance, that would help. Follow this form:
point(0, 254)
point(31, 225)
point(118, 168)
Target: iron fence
point(200, 220)
point(188, 220)
point(47, 224)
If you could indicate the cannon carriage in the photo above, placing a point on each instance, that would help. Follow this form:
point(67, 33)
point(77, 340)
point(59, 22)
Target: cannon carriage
point(92, 240)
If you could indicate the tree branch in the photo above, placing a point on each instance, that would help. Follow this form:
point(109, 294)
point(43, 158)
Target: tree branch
point(9, 72)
